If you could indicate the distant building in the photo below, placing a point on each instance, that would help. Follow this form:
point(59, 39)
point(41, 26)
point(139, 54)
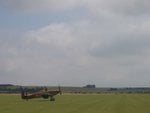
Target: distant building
point(90, 86)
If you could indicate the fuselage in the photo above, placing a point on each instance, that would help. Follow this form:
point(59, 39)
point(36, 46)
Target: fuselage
point(43, 94)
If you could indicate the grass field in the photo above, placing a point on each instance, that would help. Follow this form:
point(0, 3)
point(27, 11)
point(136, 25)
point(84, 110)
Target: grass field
point(103, 103)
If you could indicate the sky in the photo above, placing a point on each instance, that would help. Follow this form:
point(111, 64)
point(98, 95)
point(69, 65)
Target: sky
point(75, 42)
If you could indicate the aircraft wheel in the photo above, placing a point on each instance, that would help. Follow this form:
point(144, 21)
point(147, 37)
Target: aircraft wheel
point(52, 99)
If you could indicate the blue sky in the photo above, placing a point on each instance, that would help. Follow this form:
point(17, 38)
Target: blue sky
point(29, 21)
point(75, 42)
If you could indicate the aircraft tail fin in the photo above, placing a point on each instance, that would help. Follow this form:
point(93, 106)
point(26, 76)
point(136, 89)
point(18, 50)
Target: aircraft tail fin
point(59, 90)
point(23, 94)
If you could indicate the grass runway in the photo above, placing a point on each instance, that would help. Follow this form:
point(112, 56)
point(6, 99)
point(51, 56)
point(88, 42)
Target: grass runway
point(102, 103)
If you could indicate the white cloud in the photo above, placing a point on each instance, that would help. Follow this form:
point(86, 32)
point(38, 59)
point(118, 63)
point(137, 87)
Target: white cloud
point(127, 7)
point(55, 35)
point(61, 50)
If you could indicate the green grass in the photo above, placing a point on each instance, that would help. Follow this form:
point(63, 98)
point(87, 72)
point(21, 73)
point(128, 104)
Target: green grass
point(103, 103)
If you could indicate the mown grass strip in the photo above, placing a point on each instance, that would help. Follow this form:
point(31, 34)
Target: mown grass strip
point(102, 103)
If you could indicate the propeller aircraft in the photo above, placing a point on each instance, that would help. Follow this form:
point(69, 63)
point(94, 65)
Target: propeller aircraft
point(42, 94)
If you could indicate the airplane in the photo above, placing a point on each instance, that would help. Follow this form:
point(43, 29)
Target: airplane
point(42, 94)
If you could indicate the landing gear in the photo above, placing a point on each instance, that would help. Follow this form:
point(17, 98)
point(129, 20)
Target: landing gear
point(52, 98)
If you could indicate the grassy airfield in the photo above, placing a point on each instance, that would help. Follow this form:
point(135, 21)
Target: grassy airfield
point(102, 103)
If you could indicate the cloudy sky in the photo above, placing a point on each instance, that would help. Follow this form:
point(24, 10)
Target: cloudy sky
point(75, 42)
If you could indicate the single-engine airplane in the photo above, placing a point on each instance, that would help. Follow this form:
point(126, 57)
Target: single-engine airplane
point(42, 94)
